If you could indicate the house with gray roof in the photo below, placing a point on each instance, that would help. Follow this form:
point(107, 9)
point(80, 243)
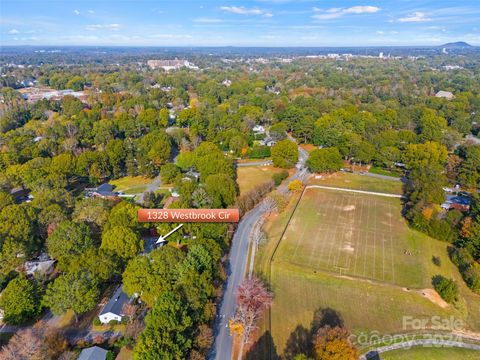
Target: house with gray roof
point(93, 353)
point(113, 310)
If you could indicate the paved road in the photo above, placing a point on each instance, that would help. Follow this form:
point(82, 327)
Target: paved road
point(222, 346)
point(420, 342)
point(154, 185)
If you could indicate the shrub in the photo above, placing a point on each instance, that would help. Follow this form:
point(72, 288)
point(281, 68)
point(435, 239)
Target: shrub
point(97, 322)
point(446, 288)
point(279, 177)
point(259, 152)
point(436, 260)
point(467, 266)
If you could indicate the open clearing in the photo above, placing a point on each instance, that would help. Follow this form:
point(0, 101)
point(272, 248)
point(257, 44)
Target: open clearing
point(250, 177)
point(131, 184)
point(359, 182)
point(355, 254)
point(425, 353)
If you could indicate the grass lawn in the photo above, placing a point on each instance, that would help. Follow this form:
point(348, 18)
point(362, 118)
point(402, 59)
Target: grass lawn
point(425, 353)
point(382, 171)
point(68, 318)
point(250, 177)
point(131, 184)
point(115, 328)
point(359, 182)
point(355, 254)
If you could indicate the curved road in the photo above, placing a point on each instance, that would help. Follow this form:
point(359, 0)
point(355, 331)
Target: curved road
point(416, 343)
point(222, 346)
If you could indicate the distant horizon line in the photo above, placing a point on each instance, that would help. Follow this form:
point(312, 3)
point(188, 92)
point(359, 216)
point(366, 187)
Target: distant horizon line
point(240, 46)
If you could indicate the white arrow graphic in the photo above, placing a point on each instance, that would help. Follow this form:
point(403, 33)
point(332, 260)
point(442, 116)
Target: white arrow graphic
point(162, 238)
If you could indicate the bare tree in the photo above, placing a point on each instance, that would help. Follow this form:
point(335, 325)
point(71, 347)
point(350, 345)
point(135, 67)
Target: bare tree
point(252, 299)
point(24, 345)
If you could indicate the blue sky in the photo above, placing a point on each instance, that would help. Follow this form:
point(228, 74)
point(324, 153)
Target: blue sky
point(239, 23)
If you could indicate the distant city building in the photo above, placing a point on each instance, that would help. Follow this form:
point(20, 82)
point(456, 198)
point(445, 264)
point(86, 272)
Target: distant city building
point(168, 65)
point(113, 310)
point(444, 94)
point(93, 353)
point(33, 94)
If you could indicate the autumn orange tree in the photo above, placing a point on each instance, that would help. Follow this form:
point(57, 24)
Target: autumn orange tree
point(333, 344)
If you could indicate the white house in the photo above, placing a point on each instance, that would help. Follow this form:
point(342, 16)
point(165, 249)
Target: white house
point(93, 353)
point(258, 129)
point(444, 94)
point(269, 142)
point(113, 310)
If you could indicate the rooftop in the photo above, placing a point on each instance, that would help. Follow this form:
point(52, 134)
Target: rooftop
point(93, 353)
point(116, 302)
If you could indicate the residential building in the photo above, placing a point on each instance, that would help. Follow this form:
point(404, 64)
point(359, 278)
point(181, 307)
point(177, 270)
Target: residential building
point(444, 94)
point(168, 65)
point(104, 191)
point(113, 310)
point(93, 353)
point(258, 129)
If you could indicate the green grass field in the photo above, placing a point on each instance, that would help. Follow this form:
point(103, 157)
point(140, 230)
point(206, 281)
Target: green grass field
point(251, 176)
point(425, 353)
point(131, 184)
point(355, 254)
point(358, 235)
point(359, 182)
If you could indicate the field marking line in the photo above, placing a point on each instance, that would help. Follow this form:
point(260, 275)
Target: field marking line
point(354, 191)
point(333, 237)
point(366, 244)
point(391, 243)
point(321, 231)
point(341, 237)
point(374, 271)
point(298, 238)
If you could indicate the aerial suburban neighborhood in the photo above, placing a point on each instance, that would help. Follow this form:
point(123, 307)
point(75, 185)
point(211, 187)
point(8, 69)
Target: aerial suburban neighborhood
point(259, 180)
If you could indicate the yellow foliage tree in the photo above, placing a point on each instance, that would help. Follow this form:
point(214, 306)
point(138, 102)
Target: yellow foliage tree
point(295, 186)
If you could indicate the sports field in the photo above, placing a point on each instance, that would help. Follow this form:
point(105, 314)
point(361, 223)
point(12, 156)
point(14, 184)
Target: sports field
point(354, 234)
point(354, 253)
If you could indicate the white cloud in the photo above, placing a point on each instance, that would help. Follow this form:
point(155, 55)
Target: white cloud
point(95, 27)
point(334, 13)
point(206, 20)
point(380, 32)
point(415, 17)
point(170, 36)
point(13, 31)
point(33, 38)
point(76, 12)
point(91, 12)
point(240, 10)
